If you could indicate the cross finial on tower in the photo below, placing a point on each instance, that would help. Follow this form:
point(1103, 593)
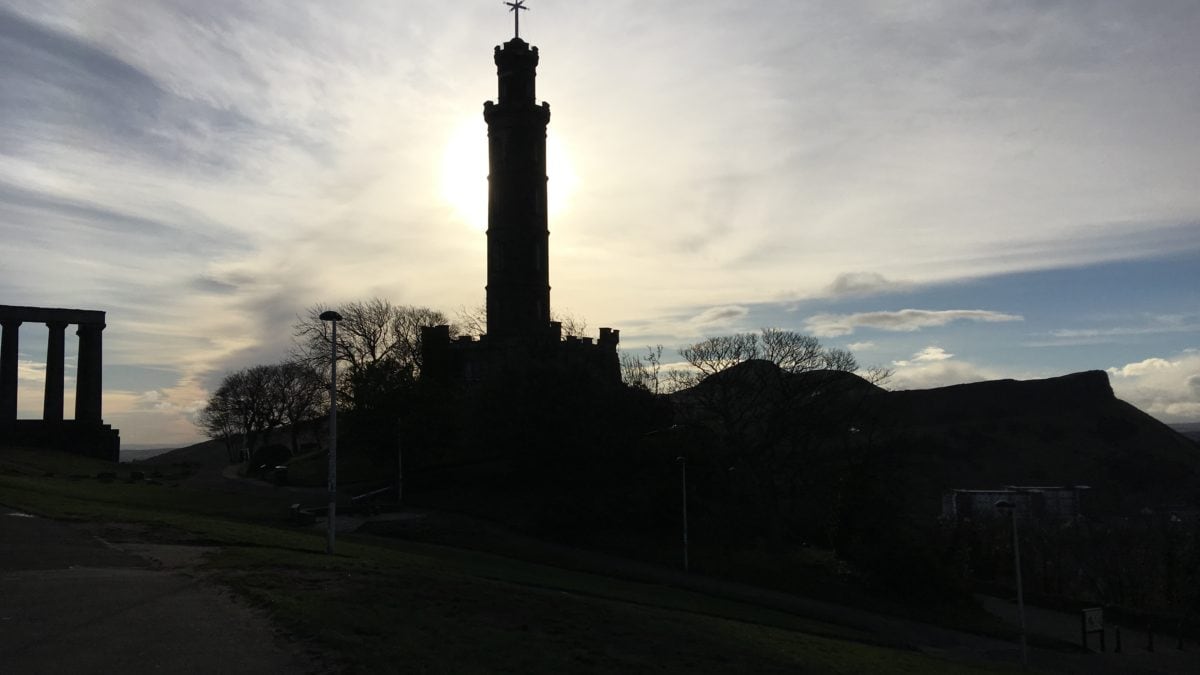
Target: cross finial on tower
point(515, 8)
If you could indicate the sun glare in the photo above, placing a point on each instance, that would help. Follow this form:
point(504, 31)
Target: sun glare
point(465, 167)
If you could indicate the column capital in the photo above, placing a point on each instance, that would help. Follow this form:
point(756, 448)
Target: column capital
point(10, 323)
point(57, 325)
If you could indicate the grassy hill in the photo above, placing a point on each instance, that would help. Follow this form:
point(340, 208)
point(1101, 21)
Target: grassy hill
point(383, 605)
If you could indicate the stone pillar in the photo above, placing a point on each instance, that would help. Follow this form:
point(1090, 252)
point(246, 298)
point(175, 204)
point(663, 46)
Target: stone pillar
point(52, 405)
point(8, 372)
point(88, 376)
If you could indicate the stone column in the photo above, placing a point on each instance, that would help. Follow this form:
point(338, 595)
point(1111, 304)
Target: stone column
point(52, 405)
point(8, 372)
point(88, 376)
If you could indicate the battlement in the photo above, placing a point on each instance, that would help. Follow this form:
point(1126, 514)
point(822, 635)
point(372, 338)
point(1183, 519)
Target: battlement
point(467, 358)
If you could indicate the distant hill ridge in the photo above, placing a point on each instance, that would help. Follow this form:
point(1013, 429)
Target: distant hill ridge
point(1003, 398)
point(1061, 430)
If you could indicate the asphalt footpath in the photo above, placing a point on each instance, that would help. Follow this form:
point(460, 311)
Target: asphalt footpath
point(70, 603)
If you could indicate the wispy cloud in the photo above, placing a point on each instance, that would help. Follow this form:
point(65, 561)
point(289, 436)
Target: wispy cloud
point(719, 316)
point(1149, 325)
point(204, 171)
point(905, 320)
point(862, 283)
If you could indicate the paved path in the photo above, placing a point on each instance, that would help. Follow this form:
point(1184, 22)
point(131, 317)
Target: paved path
point(1134, 656)
point(69, 603)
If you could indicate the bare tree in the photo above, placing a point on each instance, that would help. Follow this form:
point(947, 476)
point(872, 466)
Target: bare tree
point(644, 371)
point(715, 354)
point(251, 403)
point(219, 422)
point(371, 333)
point(301, 394)
point(793, 352)
point(473, 321)
point(772, 404)
point(572, 325)
point(239, 410)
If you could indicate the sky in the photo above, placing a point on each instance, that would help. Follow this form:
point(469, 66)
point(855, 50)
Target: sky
point(956, 190)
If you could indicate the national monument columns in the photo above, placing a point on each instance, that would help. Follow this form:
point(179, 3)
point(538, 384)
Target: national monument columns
point(52, 405)
point(87, 432)
point(8, 369)
point(88, 379)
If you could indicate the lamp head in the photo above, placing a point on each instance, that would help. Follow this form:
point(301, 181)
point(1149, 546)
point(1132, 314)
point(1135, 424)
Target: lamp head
point(330, 315)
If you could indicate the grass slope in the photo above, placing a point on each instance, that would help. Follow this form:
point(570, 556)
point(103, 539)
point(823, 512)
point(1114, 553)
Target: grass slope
point(391, 605)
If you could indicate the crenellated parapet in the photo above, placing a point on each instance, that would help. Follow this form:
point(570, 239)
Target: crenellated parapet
point(467, 359)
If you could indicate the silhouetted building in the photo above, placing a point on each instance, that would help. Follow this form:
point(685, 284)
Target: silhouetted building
point(1048, 502)
point(87, 433)
point(518, 270)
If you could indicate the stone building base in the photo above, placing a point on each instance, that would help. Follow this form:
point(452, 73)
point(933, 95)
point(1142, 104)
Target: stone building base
point(82, 438)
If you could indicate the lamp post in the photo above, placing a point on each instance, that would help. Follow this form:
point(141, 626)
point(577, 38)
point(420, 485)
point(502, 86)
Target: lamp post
point(1011, 509)
point(683, 484)
point(332, 317)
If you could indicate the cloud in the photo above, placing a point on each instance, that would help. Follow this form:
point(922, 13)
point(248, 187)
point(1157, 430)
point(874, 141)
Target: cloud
point(56, 80)
point(31, 371)
point(860, 346)
point(861, 283)
point(155, 399)
point(1168, 388)
point(208, 284)
point(717, 316)
point(1153, 325)
point(1140, 368)
point(926, 355)
point(204, 171)
point(930, 374)
point(905, 320)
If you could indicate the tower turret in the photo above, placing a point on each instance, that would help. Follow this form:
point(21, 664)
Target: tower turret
point(518, 277)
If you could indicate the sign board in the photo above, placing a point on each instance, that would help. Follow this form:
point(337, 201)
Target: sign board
point(1091, 620)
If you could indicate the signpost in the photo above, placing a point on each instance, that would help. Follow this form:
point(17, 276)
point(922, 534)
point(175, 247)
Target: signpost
point(1091, 620)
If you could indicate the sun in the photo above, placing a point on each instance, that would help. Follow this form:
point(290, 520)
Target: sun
point(465, 168)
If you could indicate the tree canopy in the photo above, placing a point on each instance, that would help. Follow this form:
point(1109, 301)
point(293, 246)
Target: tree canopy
point(376, 340)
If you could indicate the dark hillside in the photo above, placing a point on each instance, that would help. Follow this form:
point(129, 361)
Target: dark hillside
point(204, 453)
point(1063, 430)
point(1189, 429)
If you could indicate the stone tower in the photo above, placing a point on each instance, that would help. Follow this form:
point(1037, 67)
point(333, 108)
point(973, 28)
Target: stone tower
point(518, 236)
point(520, 334)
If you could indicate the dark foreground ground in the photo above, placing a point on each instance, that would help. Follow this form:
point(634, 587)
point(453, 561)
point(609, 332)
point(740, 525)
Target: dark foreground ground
point(158, 577)
point(71, 604)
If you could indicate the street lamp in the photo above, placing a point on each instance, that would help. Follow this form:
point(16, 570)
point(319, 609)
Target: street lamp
point(332, 317)
point(1011, 508)
point(683, 483)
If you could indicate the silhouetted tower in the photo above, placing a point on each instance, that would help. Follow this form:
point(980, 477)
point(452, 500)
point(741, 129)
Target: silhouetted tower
point(518, 277)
